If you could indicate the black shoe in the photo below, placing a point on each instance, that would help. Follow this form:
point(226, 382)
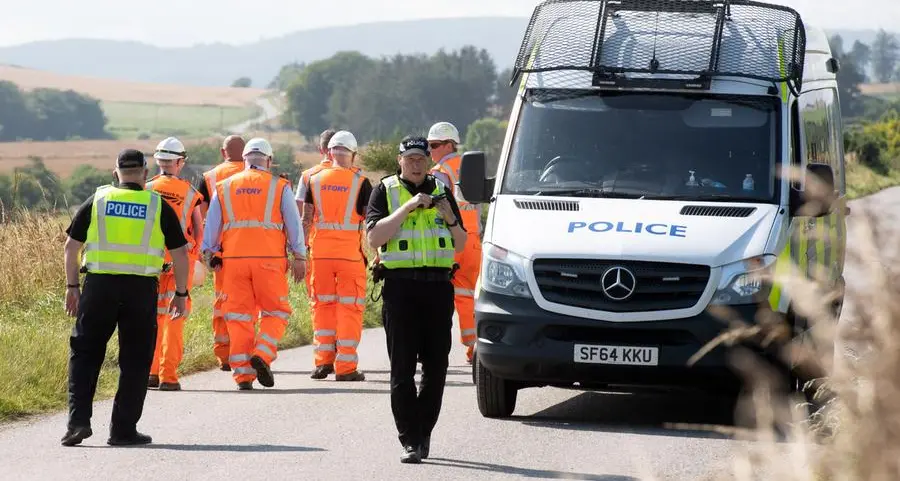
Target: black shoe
point(263, 373)
point(170, 386)
point(245, 386)
point(76, 435)
point(225, 367)
point(426, 447)
point(134, 439)
point(353, 376)
point(153, 381)
point(410, 455)
point(321, 372)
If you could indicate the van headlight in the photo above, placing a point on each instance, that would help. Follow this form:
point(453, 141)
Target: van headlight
point(745, 281)
point(504, 272)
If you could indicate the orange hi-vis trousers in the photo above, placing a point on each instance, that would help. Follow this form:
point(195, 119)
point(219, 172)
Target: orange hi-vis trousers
point(220, 328)
point(464, 281)
point(339, 290)
point(254, 287)
point(170, 332)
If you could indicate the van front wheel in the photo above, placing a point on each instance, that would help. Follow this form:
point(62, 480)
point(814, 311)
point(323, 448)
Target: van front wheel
point(496, 396)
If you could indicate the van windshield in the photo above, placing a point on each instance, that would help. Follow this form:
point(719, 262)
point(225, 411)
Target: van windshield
point(645, 145)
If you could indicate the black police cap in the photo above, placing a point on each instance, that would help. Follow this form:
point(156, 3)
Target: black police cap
point(414, 145)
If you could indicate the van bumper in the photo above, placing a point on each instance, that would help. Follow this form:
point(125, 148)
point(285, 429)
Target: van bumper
point(519, 341)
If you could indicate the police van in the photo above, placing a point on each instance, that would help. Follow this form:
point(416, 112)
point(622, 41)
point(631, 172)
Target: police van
point(645, 184)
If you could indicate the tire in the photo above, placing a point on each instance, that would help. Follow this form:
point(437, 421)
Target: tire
point(496, 396)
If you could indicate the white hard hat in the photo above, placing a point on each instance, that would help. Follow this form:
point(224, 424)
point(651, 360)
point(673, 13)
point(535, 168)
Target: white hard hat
point(258, 145)
point(442, 131)
point(345, 139)
point(170, 149)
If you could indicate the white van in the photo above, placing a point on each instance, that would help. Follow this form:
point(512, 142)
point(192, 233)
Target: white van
point(640, 184)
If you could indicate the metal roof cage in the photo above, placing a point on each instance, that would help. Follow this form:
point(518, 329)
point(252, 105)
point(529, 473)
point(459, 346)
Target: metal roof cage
point(650, 40)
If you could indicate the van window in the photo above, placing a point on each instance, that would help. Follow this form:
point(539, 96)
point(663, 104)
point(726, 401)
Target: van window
point(645, 145)
point(822, 128)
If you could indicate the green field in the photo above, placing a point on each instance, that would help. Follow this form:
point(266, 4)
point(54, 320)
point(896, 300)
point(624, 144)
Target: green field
point(128, 120)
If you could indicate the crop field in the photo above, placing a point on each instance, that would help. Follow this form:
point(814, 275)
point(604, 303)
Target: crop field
point(889, 90)
point(130, 120)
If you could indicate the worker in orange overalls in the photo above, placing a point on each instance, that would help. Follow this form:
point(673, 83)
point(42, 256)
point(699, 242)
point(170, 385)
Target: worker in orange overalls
point(232, 163)
point(253, 220)
point(302, 190)
point(443, 139)
point(170, 156)
point(336, 204)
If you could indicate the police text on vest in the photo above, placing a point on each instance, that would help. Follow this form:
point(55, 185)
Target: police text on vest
point(126, 209)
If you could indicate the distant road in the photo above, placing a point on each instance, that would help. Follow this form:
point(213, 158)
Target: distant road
point(305, 429)
point(269, 112)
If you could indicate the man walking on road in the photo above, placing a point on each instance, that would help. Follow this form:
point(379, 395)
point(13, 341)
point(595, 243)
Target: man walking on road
point(417, 232)
point(443, 138)
point(303, 191)
point(251, 218)
point(232, 163)
point(184, 199)
point(336, 202)
point(125, 231)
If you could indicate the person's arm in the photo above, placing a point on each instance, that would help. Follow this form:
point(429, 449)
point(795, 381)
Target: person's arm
point(176, 243)
point(308, 213)
point(197, 220)
point(380, 231)
point(213, 228)
point(362, 200)
point(72, 258)
point(302, 189)
point(449, 209)
point(203, 189)
point(292, 223)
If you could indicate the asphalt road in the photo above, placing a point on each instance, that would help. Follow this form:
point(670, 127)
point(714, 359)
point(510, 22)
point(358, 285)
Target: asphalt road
point(269, 111)
point(305, 429)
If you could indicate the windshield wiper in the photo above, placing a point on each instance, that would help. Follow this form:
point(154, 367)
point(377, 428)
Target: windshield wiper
point(599, 193)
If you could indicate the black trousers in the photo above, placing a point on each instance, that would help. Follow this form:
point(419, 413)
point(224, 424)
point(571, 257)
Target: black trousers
point(109, 301)
point(418, 319)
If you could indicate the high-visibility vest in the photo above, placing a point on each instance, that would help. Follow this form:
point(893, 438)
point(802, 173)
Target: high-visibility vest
point(252, 224)
point(424, 240)
point(221, 172)
point(470, 213)
point(338, 226)
point(125, 235)
point(183, 198)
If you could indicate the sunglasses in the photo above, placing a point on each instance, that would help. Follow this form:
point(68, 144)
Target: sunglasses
point(434, 145)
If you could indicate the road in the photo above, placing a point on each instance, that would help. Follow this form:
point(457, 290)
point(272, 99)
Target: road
point(305, 429)
point(269, 111)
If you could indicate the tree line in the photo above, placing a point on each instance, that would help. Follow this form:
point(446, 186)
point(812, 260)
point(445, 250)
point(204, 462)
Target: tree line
point(49, 114)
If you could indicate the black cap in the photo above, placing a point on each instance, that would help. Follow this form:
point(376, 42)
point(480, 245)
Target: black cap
point(414, 145)
point(131, 158)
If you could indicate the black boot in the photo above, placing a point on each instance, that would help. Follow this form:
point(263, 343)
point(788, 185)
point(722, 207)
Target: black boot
point(321, 372)
point(133, 439)
point(153, 381)
point(411, 455)
point(76, 435)
point(263, 372)
point(426, 446)
point(353, 376)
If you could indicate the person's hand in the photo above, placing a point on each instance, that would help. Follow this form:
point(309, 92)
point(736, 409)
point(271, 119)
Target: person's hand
point(178, 307)
point(443, 206)
point(72, 295)
point(420, 200)
point(298, 270)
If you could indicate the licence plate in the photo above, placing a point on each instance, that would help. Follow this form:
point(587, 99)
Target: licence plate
point(623, 355)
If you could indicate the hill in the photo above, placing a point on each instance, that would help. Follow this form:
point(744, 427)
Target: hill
point(111, 90)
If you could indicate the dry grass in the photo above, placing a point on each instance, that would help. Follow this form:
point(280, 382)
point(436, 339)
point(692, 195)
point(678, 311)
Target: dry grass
point(880, 89)
point(110, 90)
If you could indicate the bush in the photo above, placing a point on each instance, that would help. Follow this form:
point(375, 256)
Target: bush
point(379, 156)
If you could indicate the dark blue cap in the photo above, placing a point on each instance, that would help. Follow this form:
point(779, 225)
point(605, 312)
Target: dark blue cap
point(414, 145)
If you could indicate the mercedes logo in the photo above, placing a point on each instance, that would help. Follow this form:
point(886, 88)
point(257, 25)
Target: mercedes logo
point(618, 283)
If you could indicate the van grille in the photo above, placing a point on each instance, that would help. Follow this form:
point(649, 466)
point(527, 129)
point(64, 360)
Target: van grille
point(658, 286)
point(566, 205)
point(717, 211)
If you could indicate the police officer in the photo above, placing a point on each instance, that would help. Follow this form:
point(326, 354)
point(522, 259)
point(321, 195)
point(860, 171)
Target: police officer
point(414, 223)
point(125, 231)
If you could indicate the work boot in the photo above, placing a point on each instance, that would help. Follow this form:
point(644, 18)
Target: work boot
point(153, 381)
point(170, 386)
point(225, 367)
point(426, 447)
point(353, 376)
point(263, 372)
point(245, 386)
point(410, 455)
point(133, 439)
point(76, 435)
point(321, 372)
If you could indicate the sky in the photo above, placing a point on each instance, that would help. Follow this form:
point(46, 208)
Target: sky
point(182, 23)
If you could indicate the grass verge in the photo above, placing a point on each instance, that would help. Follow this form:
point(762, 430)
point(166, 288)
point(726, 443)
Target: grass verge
point(34, 330)
point(863, 180)
point(129, 120)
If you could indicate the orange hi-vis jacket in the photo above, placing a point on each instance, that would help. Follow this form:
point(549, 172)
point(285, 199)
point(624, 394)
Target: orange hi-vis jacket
point(183, 198)
point(306, 174)
point(221, 172)
point(252, 224)
point(338, 226)
point(471, 215)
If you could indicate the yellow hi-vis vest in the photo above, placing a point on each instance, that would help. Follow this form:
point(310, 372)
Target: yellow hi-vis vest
point(423, 240)
point(125, 235)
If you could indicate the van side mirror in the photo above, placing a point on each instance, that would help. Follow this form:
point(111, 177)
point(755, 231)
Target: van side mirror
point(817, 198)
point(475, 186)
